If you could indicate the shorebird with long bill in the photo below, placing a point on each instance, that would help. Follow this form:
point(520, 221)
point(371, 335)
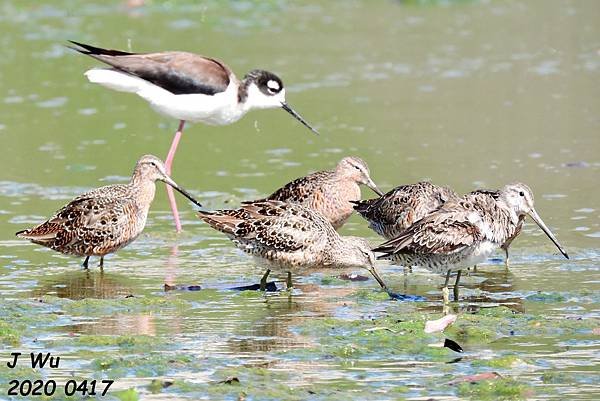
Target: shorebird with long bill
point(105, 219)
point(188, 87)
point(291, 237)
point(464, 232)
point(329, 192)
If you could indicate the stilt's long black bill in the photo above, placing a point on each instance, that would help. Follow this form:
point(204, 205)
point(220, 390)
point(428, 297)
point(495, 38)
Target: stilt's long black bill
point(298, 117)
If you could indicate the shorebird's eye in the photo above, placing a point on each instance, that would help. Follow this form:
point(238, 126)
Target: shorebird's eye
point(521, 193)
point(153, 164)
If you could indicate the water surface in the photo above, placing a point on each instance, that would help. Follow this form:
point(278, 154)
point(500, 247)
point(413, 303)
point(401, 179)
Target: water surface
point(467, 94)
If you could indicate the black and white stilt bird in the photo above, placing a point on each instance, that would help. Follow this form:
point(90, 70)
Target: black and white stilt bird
point(188, 87)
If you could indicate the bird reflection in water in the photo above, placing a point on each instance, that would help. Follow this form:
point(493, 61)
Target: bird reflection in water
point(88, 285)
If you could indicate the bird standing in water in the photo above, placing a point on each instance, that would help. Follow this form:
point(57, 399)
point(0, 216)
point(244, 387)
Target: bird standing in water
point(329, 192)
point(187, 87)
point(399, 208)
point(105, 219)
point(290, 237)
point(465, 232)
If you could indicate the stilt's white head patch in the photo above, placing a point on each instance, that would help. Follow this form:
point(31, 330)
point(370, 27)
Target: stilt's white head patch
point(273, 85)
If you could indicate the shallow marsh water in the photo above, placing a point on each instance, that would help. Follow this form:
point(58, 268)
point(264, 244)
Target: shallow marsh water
point(467, 93)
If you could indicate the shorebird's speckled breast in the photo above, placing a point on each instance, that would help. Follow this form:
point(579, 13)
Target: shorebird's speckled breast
point(334, 201)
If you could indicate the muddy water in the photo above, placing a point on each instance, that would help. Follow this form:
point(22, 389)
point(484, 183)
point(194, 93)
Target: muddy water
point(467, 94)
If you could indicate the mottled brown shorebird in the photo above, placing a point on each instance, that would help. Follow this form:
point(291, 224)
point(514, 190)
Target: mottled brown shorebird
point(330, 192)
point(290, 237)
point(399, 208)
point(105, 219)
point(465, 232)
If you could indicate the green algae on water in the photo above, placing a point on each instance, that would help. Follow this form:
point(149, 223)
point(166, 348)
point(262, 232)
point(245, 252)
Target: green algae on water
point(150, 364)
point(500, 362)
point(8, 334)
point(496, 389)
point(136, 342)
point(101, 307)
point(127, 395)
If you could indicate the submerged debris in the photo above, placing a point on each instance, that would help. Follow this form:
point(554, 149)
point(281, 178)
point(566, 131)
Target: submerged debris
point(230, 380)
point(475, 378)
point(432, 326)
point(182, 287)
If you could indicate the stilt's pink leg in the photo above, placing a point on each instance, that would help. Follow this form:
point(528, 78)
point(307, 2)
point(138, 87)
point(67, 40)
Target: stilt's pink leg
point(168, 164)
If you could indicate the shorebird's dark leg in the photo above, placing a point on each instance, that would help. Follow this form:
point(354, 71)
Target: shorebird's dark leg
point(445, 287)
point(168, 165)
point(288, 282)
point(263, 280)
point(506, 260)
point(456, 286)
point(447, 278)
point(85, 262)
point(101, 265)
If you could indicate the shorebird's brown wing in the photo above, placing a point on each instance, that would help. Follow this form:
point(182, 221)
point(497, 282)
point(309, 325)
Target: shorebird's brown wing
point(299, 190)
point(273, 226)
point(395, 207)
point(399, 208)
point(225, 221)
point(492, 193)
point(443, 232)
point(177, 72)
point(83, 225)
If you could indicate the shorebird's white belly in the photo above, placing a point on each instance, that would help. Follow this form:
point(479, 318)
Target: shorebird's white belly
point(481, 252)
point(219, 109)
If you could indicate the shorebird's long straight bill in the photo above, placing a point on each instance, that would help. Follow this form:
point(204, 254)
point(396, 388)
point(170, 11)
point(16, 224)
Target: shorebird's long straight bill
point(538, 220)
point(372, 185)
point(169, 181)
point(298, 117)
point(375, 275)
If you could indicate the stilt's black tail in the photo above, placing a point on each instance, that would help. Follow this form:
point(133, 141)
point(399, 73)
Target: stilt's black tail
point(96, 51)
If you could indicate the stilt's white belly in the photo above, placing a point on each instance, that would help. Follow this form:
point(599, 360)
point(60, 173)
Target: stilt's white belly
point(219, 109)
